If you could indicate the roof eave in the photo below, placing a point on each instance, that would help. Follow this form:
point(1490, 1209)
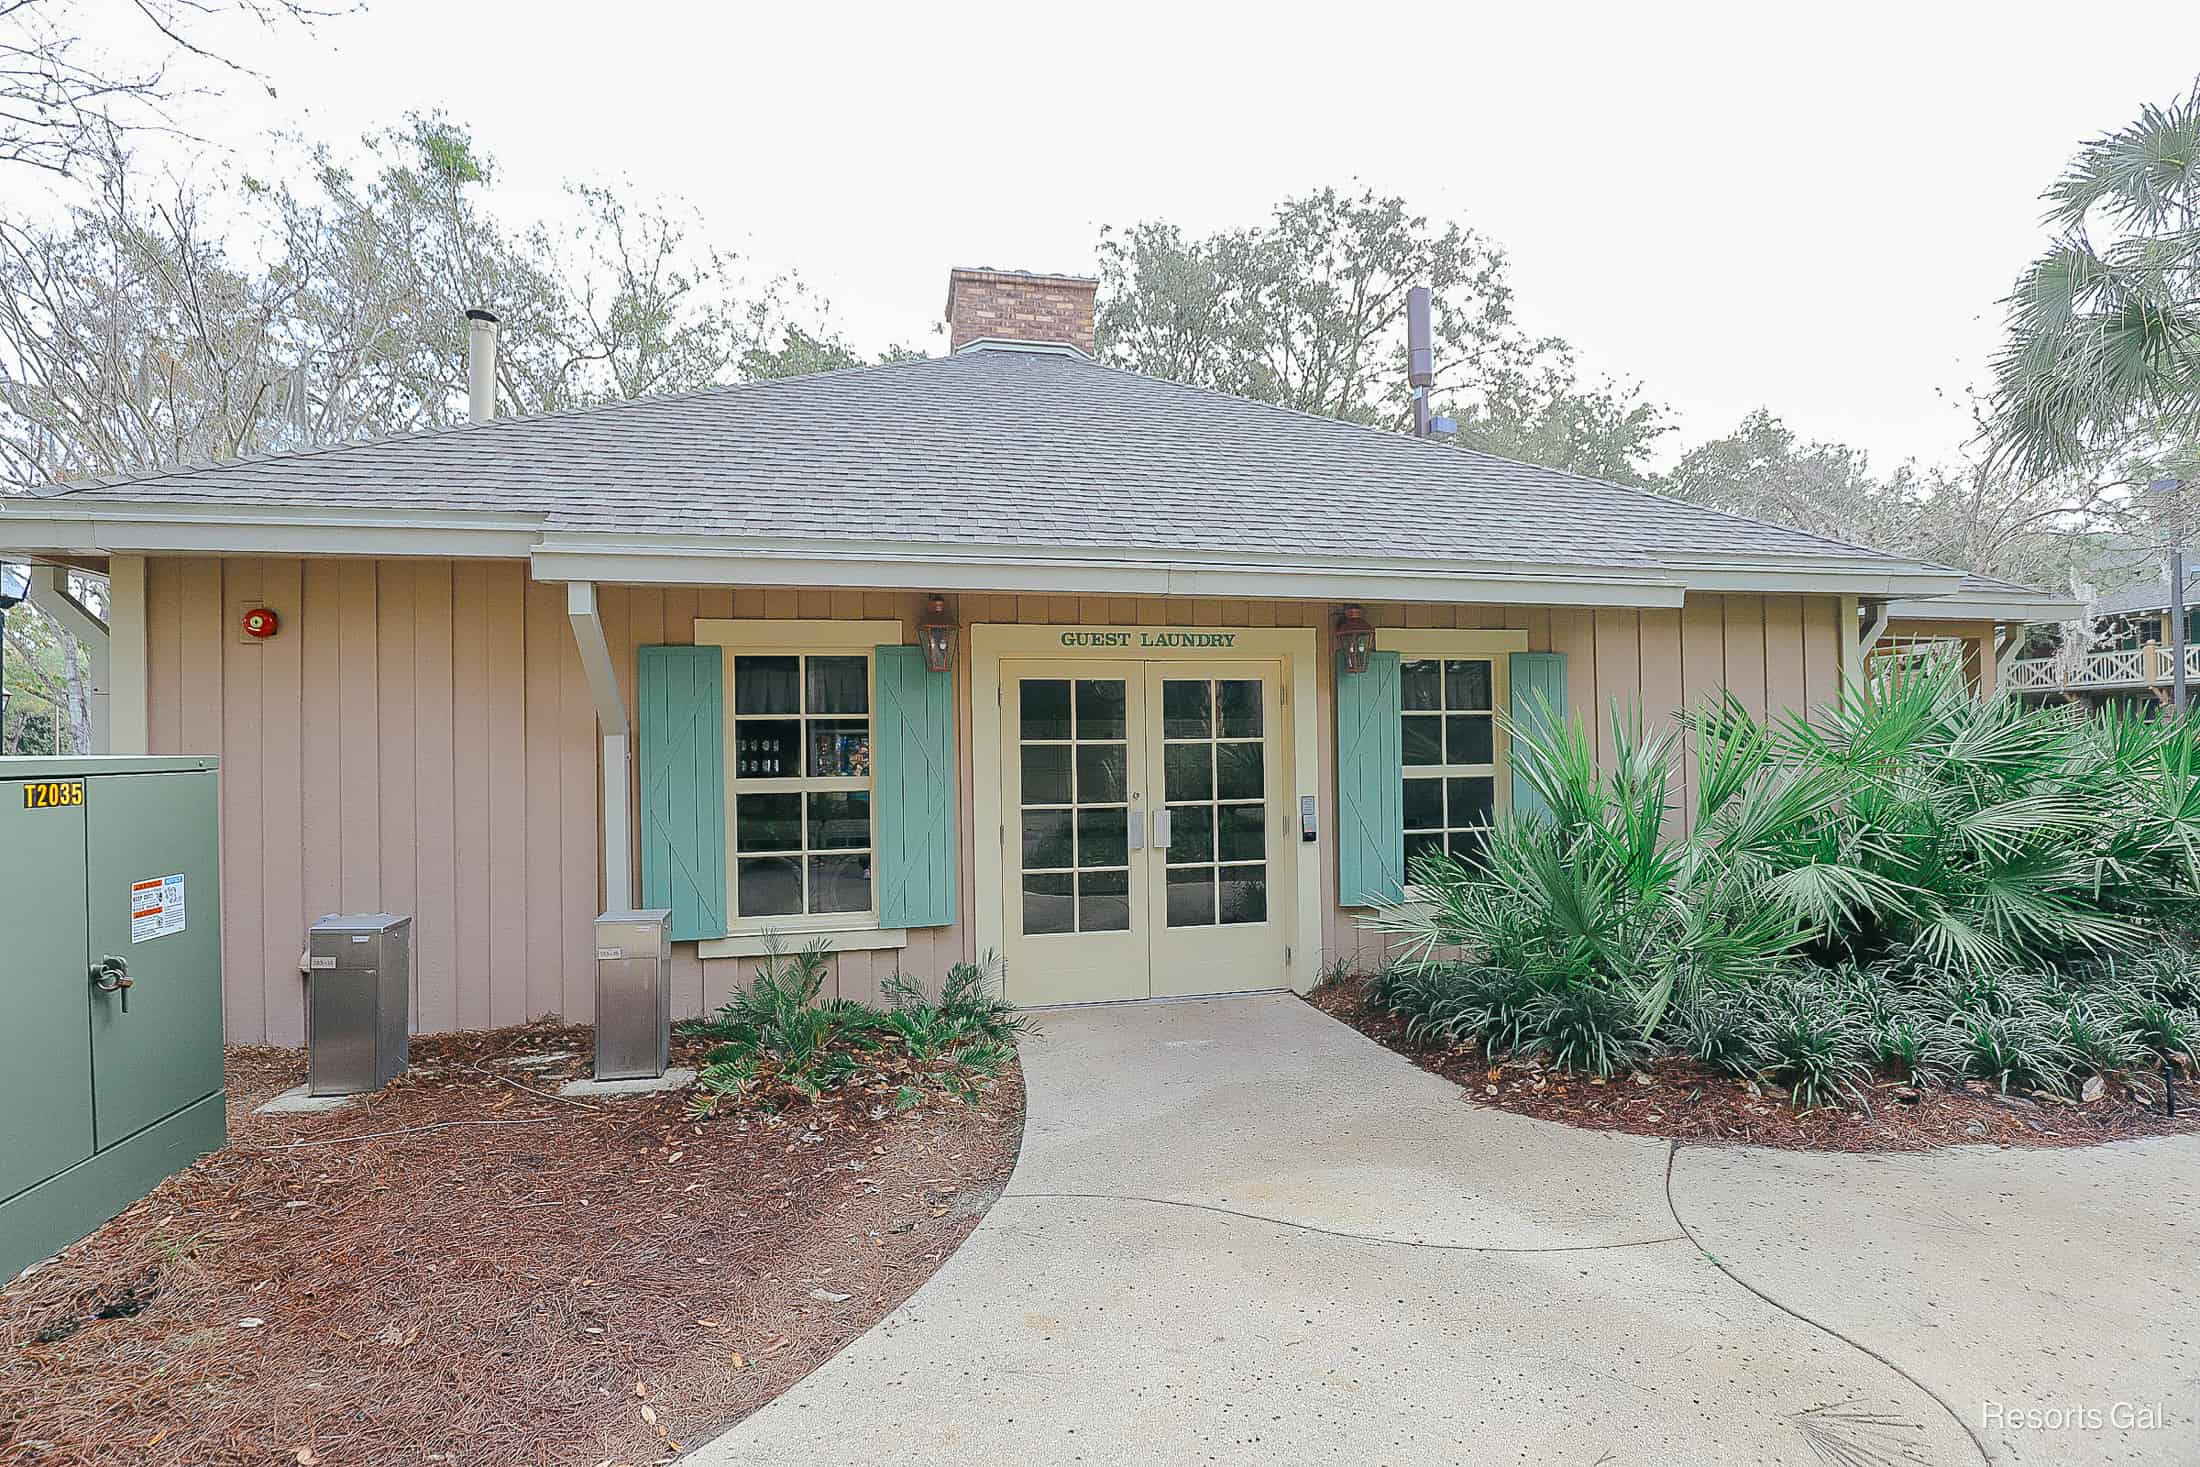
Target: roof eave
point(1987, 607)
point(565, 556)
point(1872, 578)
point(1647, 578)
point(76, 527)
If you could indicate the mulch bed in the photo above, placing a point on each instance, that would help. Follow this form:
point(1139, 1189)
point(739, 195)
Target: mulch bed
point(465, 1269)
point(1687, 1101)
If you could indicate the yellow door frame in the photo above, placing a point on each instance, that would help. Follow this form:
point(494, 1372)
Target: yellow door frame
point(1296, 648)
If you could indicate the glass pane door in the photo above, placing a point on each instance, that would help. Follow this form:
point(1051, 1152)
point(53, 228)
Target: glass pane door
point(1214, 782)
point(1074, 744)
point(1143, 811)
point(1074, 758)
point(1219, 764)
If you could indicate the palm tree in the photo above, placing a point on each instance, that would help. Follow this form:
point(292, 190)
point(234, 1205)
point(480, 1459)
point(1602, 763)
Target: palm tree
point(2103, 352)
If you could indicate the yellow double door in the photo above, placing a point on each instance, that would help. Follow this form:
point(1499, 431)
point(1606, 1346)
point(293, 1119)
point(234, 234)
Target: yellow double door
point(1145, 829)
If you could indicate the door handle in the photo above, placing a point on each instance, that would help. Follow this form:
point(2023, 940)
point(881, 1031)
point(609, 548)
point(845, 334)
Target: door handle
point(1137, 827)
point(112, 975)
point(1161, 830)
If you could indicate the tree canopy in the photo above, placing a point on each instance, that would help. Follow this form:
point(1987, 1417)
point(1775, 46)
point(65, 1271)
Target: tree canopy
point(1308, 311)
point(330, 308)
point(1969, 513)
point(2101, 359)
point(75, 75)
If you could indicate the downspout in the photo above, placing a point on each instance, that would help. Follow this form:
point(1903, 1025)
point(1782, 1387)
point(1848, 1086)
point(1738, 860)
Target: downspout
point(611, 724)
point(50, 594)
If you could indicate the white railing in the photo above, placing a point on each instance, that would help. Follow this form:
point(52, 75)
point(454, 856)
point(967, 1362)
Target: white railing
point(2145, 667)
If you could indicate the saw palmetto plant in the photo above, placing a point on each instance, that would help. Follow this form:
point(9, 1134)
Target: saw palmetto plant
point(1911, 862)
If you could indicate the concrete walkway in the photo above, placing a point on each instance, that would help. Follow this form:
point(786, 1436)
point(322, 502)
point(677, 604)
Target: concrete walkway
point(1241, 1233)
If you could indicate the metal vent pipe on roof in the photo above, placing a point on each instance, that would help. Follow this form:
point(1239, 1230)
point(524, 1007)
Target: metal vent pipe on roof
point(1420, 358)
point(481, 365)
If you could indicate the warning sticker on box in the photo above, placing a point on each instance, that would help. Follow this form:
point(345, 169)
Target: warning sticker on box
point(156, 907)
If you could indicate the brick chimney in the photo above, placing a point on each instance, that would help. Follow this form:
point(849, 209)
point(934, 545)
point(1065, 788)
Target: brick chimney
point(1012, 305)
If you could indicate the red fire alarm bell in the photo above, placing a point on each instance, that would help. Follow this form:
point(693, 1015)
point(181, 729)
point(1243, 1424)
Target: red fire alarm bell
point(260, 622)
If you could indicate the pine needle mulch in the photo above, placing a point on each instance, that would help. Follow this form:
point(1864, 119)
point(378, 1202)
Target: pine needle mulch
point(465, 1269)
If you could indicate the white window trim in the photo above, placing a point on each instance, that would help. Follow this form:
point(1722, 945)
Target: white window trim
point(1416, 643)
point(792, 939)
point(768, 637)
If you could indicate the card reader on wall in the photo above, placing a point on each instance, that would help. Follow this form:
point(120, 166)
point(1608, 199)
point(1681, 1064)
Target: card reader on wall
point(1306, 819)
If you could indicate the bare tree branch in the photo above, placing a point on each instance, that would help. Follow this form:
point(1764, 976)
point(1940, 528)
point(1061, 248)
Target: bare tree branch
point(63, 98)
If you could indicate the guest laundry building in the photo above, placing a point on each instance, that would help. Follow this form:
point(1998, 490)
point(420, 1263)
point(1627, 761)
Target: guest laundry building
point(1000, 651)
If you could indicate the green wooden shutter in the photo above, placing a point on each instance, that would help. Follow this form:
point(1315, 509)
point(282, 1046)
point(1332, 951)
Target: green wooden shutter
point(683, 769)
point(913, 767)
point(1371, 818)
point(1538, 687)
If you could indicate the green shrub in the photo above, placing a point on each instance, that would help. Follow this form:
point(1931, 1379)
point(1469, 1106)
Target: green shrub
point(779, 1039)
point(1388, 988)
point(1583, 1027)
point(1812, 1044)
point(1449, 1003)
point(1995, 994)
point(1721, 1030)
point(1966, 888)
point(2024, 1048)
point(971, 1011)
point(1499, 1005)
point(2170, 972)
point(2098, 1042)
point(2160, 1029)
point(1903, 1048)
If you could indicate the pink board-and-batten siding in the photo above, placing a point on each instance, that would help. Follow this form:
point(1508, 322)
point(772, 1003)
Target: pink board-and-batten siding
point(420, 738)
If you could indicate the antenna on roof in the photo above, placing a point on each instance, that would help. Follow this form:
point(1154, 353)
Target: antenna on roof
point(1421, 364)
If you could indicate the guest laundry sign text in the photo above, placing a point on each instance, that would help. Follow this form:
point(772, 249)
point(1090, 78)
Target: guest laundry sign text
point(1155, 638)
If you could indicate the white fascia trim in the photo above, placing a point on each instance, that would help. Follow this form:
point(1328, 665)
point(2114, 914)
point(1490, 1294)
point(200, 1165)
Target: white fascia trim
point(1862, 579)
point(228, 529)
point(676, 564)
point(1966, 608)
point(1655, 579)
point(841, 940)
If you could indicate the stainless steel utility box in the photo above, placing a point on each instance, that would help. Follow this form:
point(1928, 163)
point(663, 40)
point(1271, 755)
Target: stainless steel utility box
point(358, 1002)
point(633, 995)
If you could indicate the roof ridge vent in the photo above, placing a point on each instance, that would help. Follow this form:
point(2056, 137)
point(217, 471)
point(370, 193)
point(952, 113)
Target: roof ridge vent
point(1037, 348)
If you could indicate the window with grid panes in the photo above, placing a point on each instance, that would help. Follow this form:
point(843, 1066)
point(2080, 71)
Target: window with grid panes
point(1214, 778)
point(1448, 746)
point(1075, 844)
point(801, 785)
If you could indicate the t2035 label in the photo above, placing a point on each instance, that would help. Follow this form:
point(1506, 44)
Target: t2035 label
point(53, 794)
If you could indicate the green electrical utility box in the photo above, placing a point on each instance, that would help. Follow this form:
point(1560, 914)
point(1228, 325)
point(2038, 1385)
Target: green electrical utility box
point(110, 989)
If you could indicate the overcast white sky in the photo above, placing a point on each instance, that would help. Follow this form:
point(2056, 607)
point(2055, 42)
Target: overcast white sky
point(1812, 209)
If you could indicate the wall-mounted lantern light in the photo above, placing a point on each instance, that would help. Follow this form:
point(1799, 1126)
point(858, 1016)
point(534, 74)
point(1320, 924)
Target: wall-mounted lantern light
point(936, 634)
point(1355, 639)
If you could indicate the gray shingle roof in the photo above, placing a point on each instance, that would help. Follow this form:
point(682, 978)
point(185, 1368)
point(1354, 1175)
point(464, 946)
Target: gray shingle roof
point(994, 447)
point(2147, 596)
